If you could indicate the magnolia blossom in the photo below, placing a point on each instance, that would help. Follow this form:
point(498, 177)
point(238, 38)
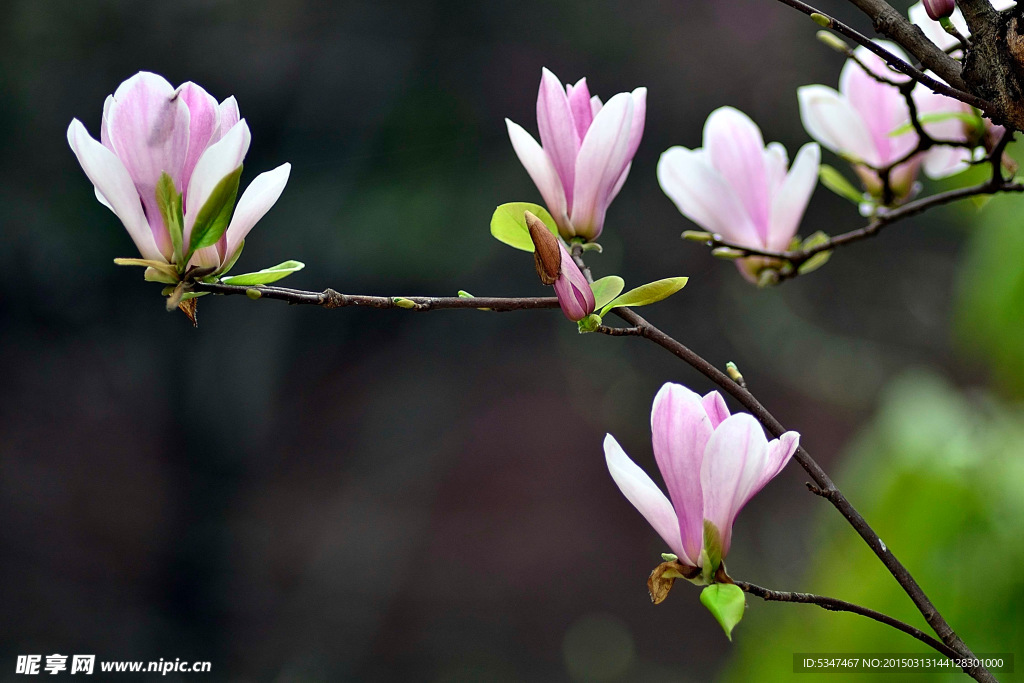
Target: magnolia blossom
point(150, 128)
point(934, 31)
point(585, 151)
point(712, 462)
point(858, 121)
point(737, 187)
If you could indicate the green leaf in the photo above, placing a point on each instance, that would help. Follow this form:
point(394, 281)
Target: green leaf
point(589, 323)
point(819, 259)
point(606, 289)
point(837, 182)
point(647, 294)
point(214, 216)
point(169, 200)
point(265, 276)
point(508, 224)
point(726, 602)
point(713, 548)
point(971, 119)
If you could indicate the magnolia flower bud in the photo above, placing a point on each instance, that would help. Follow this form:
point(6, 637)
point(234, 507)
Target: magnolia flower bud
point(556, 267)
point(939, 9)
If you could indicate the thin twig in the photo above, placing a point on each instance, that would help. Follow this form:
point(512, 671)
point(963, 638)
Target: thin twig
point(834, 605)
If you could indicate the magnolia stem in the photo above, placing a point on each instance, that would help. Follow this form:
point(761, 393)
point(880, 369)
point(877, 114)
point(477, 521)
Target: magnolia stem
point(834, 605)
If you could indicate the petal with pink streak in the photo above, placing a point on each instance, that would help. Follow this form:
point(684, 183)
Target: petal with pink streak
point(791, 200)
point(829, 118)
point(602, 159)
point(262, 193)
point(574, 293)
point(219, 160)
point(204, 115)
point(881, 106)
point(645, 496)
point(228, 115)
point(734, 461)
point(680, 430)
point(714, 406)
point(735, 148)
point(579, 104)
point(538, 164)
point(112, 182)
point(558, 134)
point(148, 130)
point(780, 451)
point(703, 196)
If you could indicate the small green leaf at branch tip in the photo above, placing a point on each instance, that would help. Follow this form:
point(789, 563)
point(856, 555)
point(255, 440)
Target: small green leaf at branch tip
point(650, 293)
point(726, 603)
point(833, 41)
point(265, 276)
point(713, 547)
point(728, 253)
point(508, 224)
point(593, 246)
point(589, 324)
point(254, 294)
point(670, 557)
point(837, 183)
point(463, 294)
point(821, 20)
point(697, 236)
point(606, 289)
point(734, 372)
point(402, 302)
point(819, 259)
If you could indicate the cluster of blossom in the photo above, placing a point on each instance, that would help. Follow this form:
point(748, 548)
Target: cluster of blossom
point(168, 161)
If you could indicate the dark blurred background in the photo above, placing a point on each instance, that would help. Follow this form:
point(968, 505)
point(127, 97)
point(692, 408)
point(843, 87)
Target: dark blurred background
point(297, 494)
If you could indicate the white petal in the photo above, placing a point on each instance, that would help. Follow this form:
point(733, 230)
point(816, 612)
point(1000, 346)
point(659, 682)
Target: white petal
point(829, 118)
point(262, 193)
point(790, 201)
point(703, 196)
point(112, 182)
point(219, 159)
point(645, 496)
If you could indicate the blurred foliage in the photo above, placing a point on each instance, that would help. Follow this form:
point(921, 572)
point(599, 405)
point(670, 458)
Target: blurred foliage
point(991, 298)
point(938, 473)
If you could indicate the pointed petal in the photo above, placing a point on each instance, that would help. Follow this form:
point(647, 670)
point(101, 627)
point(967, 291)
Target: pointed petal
point(645, 496)
point(574, 293)
point(204, 117)
point(736, 149)
point(558, 134)
point(829, 118)
point(219, 159)
point(703, 196)
point(734, 461)
point(636, 131)
point(714, 406)
point(595, 105)
point(780, 451)
point(262, 193)
point(228, 115)
point(148, 126)
point(791, 200)
point(579, 104)
point(776, 161)
point(112, 182)
point(680, 430)
point(601, 161)
point(542, 172)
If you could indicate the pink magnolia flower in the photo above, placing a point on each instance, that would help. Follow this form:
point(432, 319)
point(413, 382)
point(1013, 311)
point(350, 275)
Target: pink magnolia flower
point(585, 151)
point(150, 128)
point(712, 462)
point(737, 187)
point(857, 122)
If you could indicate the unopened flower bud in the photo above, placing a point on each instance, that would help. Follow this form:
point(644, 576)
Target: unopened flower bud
point(556, 267)
point(547, 258)
point(939, 9)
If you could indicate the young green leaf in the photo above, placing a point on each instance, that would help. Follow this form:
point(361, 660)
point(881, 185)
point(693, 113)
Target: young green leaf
point(265, 276)
point(819, 259)
point(937, 117)
point(837, 182)
point(231, 261)
point(169, 200)
point(508, 224)
point(606, 289)
point(215, 215)
point(647, 294)
point(712, 548)
point(726, 602)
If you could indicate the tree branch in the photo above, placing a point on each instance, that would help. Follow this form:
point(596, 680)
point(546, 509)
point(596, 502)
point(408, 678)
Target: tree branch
point(834, 605)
